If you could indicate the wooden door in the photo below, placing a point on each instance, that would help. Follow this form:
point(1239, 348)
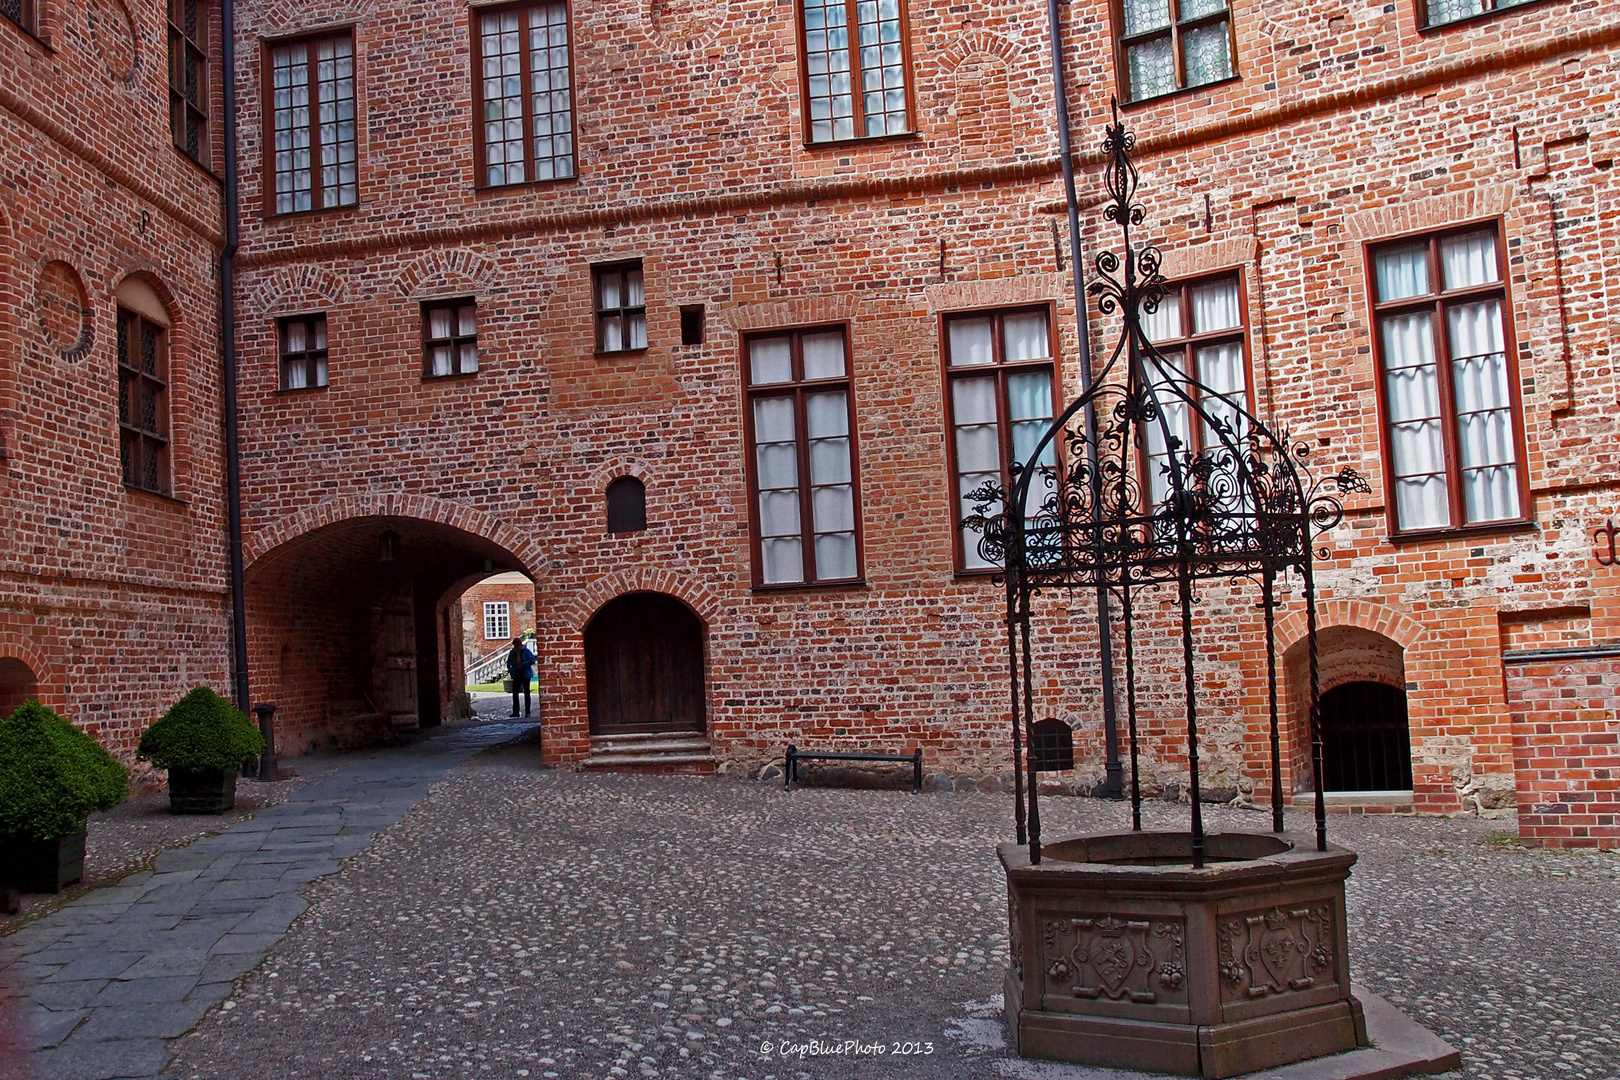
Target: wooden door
point(393, 658)
point(644, 666)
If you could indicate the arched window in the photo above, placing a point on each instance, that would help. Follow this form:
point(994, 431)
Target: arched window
point(1051, 746)
point(143, 387)
point(626, 505)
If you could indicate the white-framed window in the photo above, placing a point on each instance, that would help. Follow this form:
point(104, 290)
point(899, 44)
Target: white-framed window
point(497, 620)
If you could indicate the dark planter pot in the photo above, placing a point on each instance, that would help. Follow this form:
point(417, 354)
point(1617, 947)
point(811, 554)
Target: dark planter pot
point(41, 866)
point(206, 791)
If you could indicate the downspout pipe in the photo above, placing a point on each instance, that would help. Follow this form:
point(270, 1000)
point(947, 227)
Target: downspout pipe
point(1113, 786)
point(228, 358)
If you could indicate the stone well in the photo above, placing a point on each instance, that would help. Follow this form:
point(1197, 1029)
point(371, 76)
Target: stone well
point(1124, 955)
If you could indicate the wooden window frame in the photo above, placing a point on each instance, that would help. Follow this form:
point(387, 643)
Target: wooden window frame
point(147, 443)
point(1437, 300)
point(455, 340)
point(798, 388)
point(308, 355)
point(507, 615)
point(1001, 369)
point(1421, 14)
point(267, 90)
point(475, 48)
point(187, 109)
point(1177, 27)
point(624, 311)
point(858, 104)
point(26, 19)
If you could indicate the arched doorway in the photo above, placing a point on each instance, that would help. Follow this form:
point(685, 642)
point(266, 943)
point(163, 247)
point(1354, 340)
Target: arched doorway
point(17, 684)
point(1365, 742)
point(347, 623)
point(1366, 745)
point(644, 667)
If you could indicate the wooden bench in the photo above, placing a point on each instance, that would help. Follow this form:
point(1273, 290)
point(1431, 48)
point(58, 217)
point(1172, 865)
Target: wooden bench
point(790, 768)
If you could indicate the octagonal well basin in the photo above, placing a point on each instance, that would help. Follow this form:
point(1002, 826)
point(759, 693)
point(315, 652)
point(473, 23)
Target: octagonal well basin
point(1124, 955)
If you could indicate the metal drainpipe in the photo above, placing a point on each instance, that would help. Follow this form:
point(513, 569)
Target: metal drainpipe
point(1114, 784)
point(227, 333)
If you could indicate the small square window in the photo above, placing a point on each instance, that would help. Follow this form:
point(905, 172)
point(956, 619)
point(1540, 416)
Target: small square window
point(621, 308)
point(302, 343)
point(449, 338)
point(497, 620)
point(692, 324)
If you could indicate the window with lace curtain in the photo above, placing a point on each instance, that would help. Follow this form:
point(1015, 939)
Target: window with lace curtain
point(1198, 330)
point(302, 344)
point(1170, 45)
point(999, 373)
point(312, 124)
point(621, 307)
point(801, 469)
point(1452, 436)
point(449, 338)
point(1433, 13)
point(855, 69)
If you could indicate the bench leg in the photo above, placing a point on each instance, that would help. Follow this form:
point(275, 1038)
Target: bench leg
point(916, 780)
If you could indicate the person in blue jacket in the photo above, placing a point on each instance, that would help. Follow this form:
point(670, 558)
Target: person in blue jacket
point(520, 669)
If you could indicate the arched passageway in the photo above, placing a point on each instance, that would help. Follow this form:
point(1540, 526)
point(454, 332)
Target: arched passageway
point(644, 666)
point(354, 627)
point(18, 683)
point(1366, 745)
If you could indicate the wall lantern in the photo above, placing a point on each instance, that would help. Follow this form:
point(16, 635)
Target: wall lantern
point(388, 547)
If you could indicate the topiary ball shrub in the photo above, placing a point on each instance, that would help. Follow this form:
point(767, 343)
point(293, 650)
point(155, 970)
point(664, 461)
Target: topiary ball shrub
point(52, 776)
point(201, 732)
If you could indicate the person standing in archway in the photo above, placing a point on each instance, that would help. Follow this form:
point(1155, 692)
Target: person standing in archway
point(520, 669)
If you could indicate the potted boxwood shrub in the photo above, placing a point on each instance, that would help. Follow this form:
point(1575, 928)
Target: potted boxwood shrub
point(52, 775)
point(203, 741)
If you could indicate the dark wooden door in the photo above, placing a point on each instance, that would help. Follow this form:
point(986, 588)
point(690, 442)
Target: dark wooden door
point(1365, 742)
point(644, 666)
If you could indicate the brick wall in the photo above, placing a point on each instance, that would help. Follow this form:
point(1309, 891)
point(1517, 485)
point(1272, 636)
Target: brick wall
point(1566, 745)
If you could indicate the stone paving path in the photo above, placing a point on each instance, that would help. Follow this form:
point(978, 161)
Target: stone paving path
point(111, 977)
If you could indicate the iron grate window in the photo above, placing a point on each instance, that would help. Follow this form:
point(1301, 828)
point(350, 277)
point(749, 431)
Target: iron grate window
point(1366, 744)
point(1171, 45)
point(188, 76)
point(21, 12)
point(1051, 746)
point(1440, 12)
point(449, 338)
point(302, 345)
point(143, 402)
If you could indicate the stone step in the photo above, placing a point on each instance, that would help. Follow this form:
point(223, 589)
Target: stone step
point(656, 752)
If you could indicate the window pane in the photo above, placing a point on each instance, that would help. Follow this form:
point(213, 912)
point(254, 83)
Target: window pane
point(467, 320)
point(1029, 406)
point(823, 355)
point(1164, 324)
point(783, 560)
point(1144, 15)
point(827, 415)
point(439, 323)
point(612, 333)
point(778, 464)
point(829, 461)
point(773, 419)
point(441, 360)
point(319, 332)
point(971, 341)
point(1152, 68)
point(1402, 271)
point(1220, 370)
point(779, 513)
point(1469, 259)
point(978, 449)
point(1215, 307)
point(826, 47)
point(834, 510)
point(294, 337)
point(1208, 53)
point(469, 358)
point(1197, 9)
point(634, 297)
point(1444, 11)
point(770, 360)
point(1026, 337)
point(835, 556)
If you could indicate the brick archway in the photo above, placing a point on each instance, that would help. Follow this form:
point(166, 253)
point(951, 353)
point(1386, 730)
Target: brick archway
point(1381, 619)
point(420, 507)
point(578, 609)
point(19, 650)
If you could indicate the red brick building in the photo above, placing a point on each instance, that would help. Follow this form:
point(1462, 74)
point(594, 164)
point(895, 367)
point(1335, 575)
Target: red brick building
point(651, 303)
point(493, 612)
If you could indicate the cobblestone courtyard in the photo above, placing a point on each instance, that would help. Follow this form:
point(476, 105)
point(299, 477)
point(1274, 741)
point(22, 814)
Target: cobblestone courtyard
point(520, 922)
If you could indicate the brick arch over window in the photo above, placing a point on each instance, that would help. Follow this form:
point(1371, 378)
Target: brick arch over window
point(281, 290)
point(578, 610)
point(421, 507)
point(16, 646)
point(281, 18)
point(440, 273)
point(618, 468)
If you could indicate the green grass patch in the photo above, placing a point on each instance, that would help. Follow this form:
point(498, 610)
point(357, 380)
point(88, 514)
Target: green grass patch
point(486, 688)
